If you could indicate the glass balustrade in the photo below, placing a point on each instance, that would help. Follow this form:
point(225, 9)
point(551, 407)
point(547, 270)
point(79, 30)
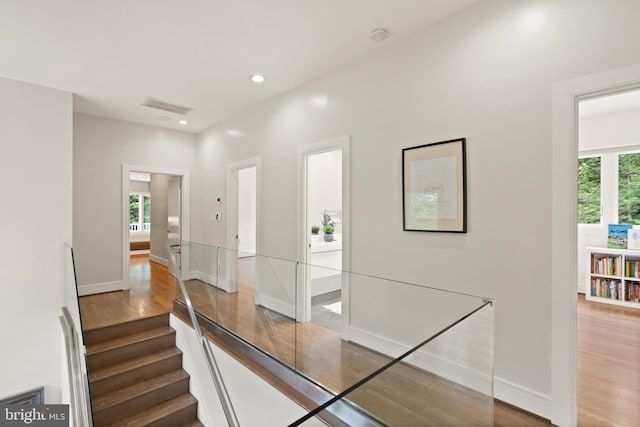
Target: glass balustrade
point(386, 352)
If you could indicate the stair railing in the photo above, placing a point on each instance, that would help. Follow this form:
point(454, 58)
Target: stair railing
point(80, 400)
point(221, 389)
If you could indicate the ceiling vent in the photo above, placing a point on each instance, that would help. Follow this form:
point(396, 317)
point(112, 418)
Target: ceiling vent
point(165, 106)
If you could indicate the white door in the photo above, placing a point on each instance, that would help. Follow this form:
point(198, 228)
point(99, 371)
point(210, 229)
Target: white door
point(174, 203)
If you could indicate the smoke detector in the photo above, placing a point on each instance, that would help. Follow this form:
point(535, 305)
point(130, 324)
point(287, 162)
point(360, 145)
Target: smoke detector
point(379, 34)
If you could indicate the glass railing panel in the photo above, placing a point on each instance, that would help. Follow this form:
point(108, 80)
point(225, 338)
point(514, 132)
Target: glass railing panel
point(198, 264)
point(192, 265)
point(447, 380)
point(259, 305)
point(339, 328)
point(353, 324)
point(252, 296)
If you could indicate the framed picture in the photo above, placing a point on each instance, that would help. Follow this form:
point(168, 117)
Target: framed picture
point(434, 182)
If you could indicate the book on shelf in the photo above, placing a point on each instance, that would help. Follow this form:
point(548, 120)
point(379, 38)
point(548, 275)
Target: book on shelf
point(606, 288)
point(606, 265)
point(632, 292)
point(632, 268)
point(618, 235)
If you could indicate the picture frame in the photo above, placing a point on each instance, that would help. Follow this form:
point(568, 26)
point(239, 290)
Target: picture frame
point(434, 184)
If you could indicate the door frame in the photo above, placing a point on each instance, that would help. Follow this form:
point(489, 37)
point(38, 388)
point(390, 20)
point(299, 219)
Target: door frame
point(232, 212)
point(564, 226)
point(304, 292)
point(185, 231)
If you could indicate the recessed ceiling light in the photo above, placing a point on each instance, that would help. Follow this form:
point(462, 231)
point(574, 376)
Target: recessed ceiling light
point(257, 78)
point(234, 133)
point(183, 122)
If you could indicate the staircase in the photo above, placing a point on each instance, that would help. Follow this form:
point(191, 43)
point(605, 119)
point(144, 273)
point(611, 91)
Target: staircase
point(136, 376)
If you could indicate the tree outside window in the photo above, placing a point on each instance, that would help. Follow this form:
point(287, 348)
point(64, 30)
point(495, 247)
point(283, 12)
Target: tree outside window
point(134, 210)
point(139, 212)
point(589, 190)
point(629, 188)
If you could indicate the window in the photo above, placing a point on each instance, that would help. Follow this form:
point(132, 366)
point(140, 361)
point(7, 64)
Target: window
point(589, 190)
point(139, 213)
point(629, 188)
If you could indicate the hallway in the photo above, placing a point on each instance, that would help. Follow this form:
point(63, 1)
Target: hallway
point(152, 292)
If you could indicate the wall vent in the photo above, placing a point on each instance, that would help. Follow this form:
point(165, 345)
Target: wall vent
point(165, 106)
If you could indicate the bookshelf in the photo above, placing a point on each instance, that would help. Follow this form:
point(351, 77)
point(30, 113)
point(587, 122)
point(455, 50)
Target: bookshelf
point(613, 276)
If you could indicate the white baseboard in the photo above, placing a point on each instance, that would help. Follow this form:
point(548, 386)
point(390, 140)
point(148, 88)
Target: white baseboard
point(277, 305)
point(323, 285)
point(522, 397)
point(209, 279)
point(98, 288)
point(514, 394)
point(159, 260)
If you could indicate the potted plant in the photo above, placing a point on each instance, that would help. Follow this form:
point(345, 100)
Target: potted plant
point(315, 229)
point(328, 233)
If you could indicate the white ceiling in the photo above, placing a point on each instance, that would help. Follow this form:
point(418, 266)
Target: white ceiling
point(112, 54)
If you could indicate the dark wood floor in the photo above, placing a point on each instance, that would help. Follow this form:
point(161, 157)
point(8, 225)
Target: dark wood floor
point(606, 398)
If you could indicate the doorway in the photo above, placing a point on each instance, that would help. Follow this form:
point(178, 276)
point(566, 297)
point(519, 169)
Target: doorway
point(154, 222)
point(608, 319)
point(324, 245)
point(168, 202)
point(247, 212)
point(324, 234)
point(564, 254)
point(238, 259)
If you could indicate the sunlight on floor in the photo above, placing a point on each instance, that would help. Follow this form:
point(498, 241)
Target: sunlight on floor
point(336, 307)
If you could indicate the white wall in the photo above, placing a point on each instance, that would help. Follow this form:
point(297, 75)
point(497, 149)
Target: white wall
point(605, 135)
point(35, 165)
point(247, 210)
point(485, 74)
point(159, 188)
point(101, 146)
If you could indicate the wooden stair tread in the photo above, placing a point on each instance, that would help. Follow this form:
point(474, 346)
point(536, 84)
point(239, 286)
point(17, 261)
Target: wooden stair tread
point(116, 397)
point(105, 333)
point(128, 339)
point(159, 412)
point(132, 364)
point(196, 423)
